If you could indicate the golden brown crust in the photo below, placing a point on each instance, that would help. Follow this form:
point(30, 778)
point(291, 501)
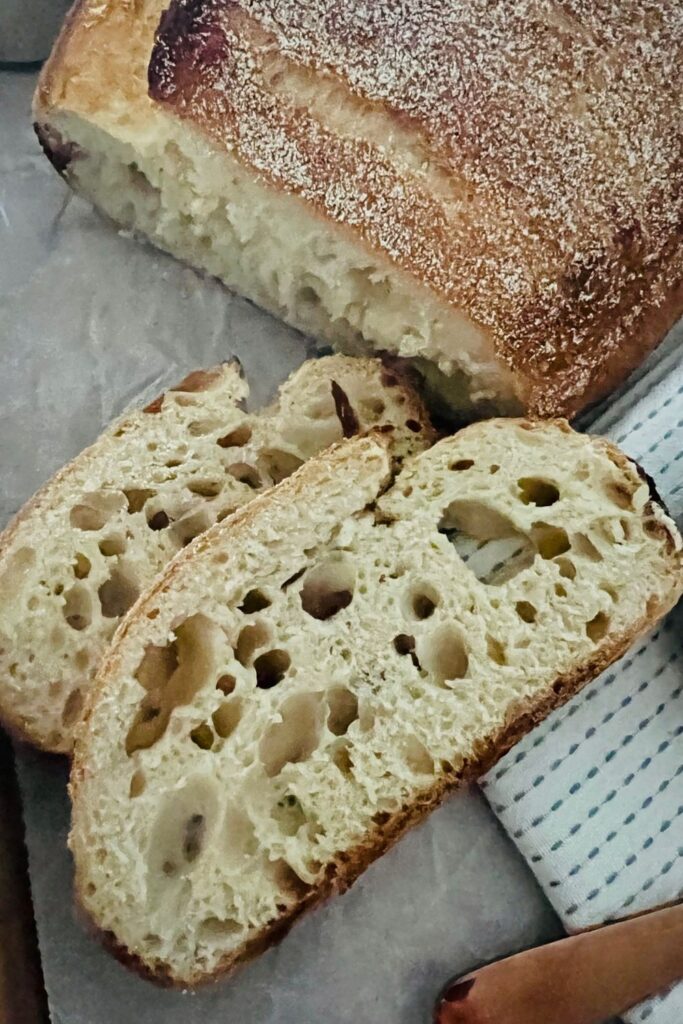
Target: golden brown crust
point(551, 211)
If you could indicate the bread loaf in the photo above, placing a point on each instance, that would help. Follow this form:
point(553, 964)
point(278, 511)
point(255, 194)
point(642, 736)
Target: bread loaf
point(312, 675)
point(494, 191)
point(79, 554)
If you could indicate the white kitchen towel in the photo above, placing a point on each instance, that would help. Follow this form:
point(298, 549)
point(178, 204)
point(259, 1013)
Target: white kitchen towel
point(593, 797)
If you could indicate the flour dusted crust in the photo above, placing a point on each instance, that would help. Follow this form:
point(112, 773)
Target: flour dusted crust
point(499, 183)
point(438, 650)
point(79, 553)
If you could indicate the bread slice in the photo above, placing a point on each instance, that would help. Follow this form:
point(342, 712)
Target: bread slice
point(474, 188)
point(81, 551)
point(310, 677)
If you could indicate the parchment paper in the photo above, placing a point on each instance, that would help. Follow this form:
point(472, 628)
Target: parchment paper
point(89, 321)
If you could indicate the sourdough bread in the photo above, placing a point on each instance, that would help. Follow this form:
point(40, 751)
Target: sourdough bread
point(79, 554)
point(311, 675)
point(474, 186)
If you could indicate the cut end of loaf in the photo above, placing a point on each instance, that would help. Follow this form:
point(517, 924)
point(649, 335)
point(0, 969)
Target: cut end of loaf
point(313, 675)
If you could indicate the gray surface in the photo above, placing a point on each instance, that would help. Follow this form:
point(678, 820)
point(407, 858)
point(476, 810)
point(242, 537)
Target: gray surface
point(27, 28)
point(88, 321)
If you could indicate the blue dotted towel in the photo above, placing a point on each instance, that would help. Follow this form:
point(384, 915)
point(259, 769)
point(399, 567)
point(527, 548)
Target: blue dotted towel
point(593, 797)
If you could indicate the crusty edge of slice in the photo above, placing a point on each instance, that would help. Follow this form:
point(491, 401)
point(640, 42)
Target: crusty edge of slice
point(348, 866)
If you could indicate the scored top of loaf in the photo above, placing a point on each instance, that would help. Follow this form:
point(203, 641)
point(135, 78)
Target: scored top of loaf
point(522, 159)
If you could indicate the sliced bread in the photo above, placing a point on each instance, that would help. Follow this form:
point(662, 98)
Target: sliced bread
point(313, 674)
point(77, 556)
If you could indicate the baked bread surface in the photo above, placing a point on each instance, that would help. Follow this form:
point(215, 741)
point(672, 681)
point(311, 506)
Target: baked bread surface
point(494, 188)
point(79, 554)
point(312, 675)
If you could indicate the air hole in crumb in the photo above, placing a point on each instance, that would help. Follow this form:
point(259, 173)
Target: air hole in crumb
point(117, 594)
point(277, 464)
point(157, 667)
point(289, 815)
point(214, 930)
point(443, 654)
point(193, 838)
point(414, 426)
point(342, 759)
point(560, 590)
point(270, 668)
point(202, 736)
point(597, 627)
point(95, 509)
point(417, 757)
point(404, 643)
point(72, 708)
point(307, 296)
point(81, 566)
point(171, 676)
point(137, 783)
point(343, 705)
point(136, 498)
point(585, 546)
point(205, 488)
point(191, 525)
point(158, 521)
point(254, 601)
point(249, 640)
point(566, 568)
point(226, 684)
point(493, 469)
point(372, 406)
point(407, 491)
point(461, 465)
point(112, 545)
point(495, 650)
point(328, 588)
point(487, 541)
point(294, 738)
point(526, 611)
point(245, 474)
point(227, 717)
point(610, 591)
point(77, 608)
point(535, 491)
point(550, 541)
point(236, 438)
point(199, 428)
point(620, 494)
point(287, 880)
point(422, 601)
